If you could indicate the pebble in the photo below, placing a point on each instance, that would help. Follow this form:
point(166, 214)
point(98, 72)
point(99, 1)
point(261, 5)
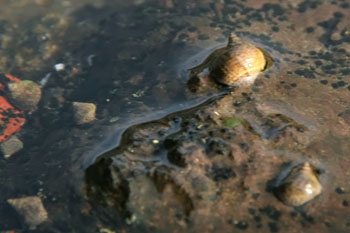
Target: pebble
point(59, 67)
point(25, 94)
point(84, 112)
point(31, 209)
point(11, 146)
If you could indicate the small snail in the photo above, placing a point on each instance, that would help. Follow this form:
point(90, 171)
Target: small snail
point(299, 186)
point(236, 64)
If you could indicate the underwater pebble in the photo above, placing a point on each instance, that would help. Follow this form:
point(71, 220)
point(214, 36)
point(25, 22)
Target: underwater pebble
point(31, 209)
point(25, 94)
point(11, 146)
point(299, 186)
point(84, 112)
point(60, 67)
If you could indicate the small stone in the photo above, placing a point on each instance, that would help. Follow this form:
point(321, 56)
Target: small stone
point(60, 67)
point(336, 36)
point(31, 209)
point(25, 94)
point(84, 112)
point(43, 3)
point(11, 146)
point(155, 141)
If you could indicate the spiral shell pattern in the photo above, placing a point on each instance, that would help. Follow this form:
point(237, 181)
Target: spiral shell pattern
point(236, 62)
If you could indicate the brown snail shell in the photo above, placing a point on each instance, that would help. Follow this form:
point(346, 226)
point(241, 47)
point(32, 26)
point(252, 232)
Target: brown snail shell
point(299, 186)
point(237, 63)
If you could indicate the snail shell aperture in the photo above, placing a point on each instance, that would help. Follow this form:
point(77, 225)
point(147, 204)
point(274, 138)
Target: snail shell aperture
point(299, 186)
point(237, 63)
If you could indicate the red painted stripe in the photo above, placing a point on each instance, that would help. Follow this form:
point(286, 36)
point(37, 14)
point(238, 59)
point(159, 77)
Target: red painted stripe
point(12, 78)
point(13, 124)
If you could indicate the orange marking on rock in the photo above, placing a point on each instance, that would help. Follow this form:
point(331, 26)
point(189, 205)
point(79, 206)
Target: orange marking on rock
point(12, 78)
point(11, 124)
point(10, 119)
point(4, 105)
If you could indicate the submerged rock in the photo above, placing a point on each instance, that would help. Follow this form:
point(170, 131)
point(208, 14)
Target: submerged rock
point(84, 112)
point(25, 94)
point(299, 186)
point(11, 146)
point(31, 209)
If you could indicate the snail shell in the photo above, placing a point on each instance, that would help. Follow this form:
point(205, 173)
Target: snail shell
point(299, 186)
point(237, 63)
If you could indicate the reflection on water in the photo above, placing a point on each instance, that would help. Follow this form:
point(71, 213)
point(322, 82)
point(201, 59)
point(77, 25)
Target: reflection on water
point(159, 157)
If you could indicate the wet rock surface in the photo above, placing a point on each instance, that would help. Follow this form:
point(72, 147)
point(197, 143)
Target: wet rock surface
point(208, 162)
point(220, 157)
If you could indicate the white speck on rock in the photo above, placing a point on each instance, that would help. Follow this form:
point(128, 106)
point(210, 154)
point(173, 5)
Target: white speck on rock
point(44, 80)
point(60, 67)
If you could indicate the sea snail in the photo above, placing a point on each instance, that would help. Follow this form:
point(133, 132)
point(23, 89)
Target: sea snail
point(236, 64)
point(299, 186)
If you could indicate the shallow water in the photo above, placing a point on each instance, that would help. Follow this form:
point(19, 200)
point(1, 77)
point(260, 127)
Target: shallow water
point(135, 168)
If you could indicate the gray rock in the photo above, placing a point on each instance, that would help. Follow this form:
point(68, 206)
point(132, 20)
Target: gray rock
point(25, 94)
point(11, 146)
point(84, 112)
point(31, 209)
